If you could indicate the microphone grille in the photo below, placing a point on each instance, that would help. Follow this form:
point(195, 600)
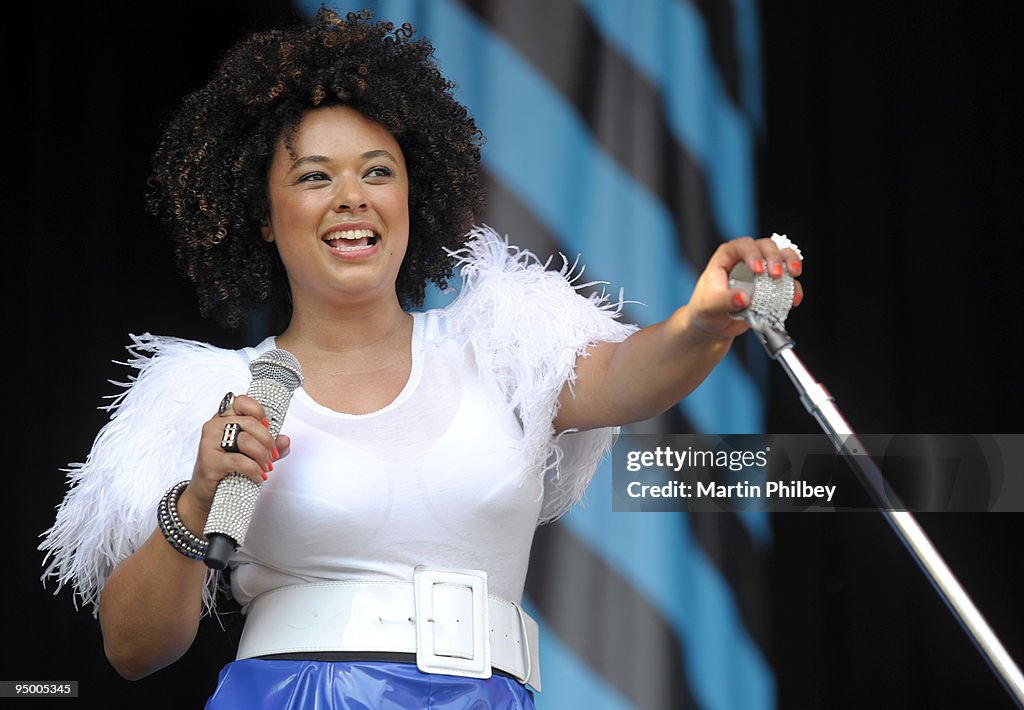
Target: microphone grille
point(278, 365)
point(275, 376)
point(770, 298)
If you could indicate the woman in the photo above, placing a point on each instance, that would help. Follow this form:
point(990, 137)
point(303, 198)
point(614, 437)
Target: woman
point(327, 171)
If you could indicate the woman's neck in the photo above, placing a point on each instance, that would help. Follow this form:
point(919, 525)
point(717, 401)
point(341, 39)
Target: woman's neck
point(339, 330)
point(353, 360)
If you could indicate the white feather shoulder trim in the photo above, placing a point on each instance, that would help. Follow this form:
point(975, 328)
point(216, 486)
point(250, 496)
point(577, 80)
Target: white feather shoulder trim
point(528, 325)
point(148, 445)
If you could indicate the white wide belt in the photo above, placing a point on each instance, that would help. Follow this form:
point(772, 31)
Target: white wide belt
point(445, 617)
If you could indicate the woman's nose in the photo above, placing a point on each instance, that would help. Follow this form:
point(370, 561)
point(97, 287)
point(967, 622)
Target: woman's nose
point(352, 196)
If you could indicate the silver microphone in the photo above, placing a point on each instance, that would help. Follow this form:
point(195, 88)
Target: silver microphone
point(770, 302)
point(275, 376)
point(770, 299)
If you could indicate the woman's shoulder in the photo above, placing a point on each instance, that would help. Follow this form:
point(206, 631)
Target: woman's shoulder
point(172, 387)
point(181, 369)
point(513, 297)
point(148, 346)
point(528, 324)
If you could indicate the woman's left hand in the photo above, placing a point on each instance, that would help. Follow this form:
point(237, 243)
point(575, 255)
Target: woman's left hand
point(713, 301)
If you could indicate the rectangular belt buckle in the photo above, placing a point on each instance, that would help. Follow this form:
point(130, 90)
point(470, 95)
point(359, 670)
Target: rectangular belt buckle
point(452, 625)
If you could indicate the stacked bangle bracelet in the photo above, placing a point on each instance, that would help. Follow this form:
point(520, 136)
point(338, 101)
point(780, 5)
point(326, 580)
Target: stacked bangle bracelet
point(174, 531)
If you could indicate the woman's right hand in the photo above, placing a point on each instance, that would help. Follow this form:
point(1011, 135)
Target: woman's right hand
point(257, 451)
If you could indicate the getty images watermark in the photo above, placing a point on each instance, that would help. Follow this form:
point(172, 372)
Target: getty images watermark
point(667, 458)
point(803, 472)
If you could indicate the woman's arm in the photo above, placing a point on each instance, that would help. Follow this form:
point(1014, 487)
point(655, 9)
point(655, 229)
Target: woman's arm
point(151, 604)
point(649, 372)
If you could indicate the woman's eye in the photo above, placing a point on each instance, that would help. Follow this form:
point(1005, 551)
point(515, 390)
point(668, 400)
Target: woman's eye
point(379, 171)
point(312, 177)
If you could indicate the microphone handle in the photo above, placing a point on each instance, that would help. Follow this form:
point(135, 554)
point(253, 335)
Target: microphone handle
point(235, 498)
point(218, 549)
point(233, 506)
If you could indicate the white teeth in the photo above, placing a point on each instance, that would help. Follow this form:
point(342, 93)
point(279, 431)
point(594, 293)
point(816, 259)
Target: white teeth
point(359, 239)
point(351, 234)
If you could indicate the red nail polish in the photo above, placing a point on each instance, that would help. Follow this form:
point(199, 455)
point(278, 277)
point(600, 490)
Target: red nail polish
point(264, 475)
point(270, 465)
point(797, 298)
point(275, 454)
point(739, 299)
point(266, 423)
point(776, 270)
point(758, 267)
point(795, 267)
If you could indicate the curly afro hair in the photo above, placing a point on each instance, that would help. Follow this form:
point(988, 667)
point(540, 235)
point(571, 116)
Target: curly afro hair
point(210, 169)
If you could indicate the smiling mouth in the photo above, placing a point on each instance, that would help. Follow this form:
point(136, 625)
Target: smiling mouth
point(350, 240)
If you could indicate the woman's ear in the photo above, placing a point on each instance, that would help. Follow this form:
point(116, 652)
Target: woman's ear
point(266, 230)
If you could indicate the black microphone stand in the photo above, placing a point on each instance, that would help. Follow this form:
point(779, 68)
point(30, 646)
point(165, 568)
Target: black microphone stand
point(820, 404)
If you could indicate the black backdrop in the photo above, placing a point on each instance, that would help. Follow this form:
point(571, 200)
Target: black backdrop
point(892, 151)
point(891, 154)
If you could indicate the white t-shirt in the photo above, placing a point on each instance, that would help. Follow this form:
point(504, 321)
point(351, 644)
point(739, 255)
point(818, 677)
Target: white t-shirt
point(434, 478)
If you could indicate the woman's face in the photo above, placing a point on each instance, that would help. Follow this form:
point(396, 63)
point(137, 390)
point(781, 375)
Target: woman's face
point(339, 208)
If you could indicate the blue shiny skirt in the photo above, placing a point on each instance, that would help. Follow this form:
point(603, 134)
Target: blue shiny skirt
point(254, 684)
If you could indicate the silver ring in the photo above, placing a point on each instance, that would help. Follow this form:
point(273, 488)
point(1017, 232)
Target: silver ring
point(225, 404)
point(229, 440)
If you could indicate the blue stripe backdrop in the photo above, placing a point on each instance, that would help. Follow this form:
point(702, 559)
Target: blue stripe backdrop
point(669, 43)
point(542, 151)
